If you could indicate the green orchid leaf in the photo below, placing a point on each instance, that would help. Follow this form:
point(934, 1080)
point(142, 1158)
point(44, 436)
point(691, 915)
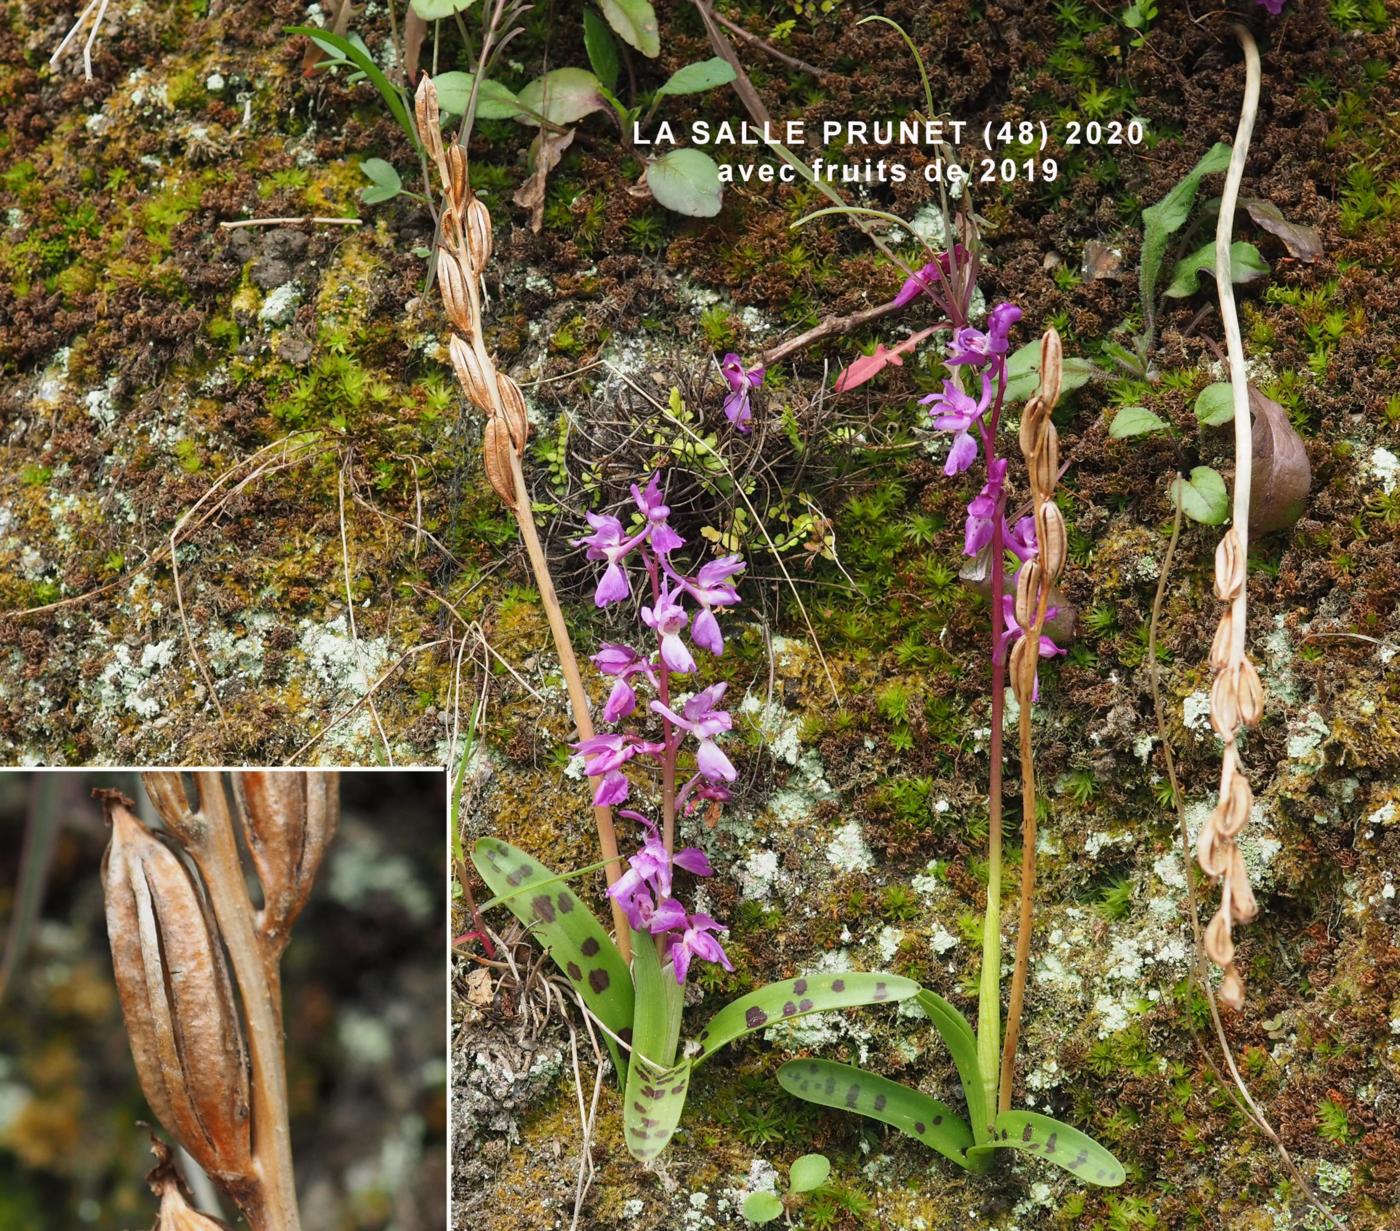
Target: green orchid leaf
point(1023, 373)
point(955, 1032)
point(601, 48)
point(848, 1088)
point(493, 100)
point(1246, 264)
point(1161, 221)
point(762, 1206)
point(1202, 497)
point(1061, 1144)
point(794, 998)
point(808, 1172)
point(355, 52)
point(656, 1086)
point(696, 78)
point(568, 930)
point(686, 182)
point(1134, 421)
point(635, 23)
point(1215, 404)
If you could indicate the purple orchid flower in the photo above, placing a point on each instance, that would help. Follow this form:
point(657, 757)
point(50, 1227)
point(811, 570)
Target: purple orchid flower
point(605, 755)
point(956, 411)
point(982, 509)
point(741, 381)
point(644, 890)
point(622, 662)
point(667, 618)
point(700, 788)
point(1275, 7)
point(711, 588)
point(696, 941)
point(609, 542)
point(974, 347)
point(1020, 538)
point(700, 717)
point(926, 278)
point(653, 507)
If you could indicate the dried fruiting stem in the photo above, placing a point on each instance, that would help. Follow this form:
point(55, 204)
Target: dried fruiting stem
point(466, 241)
point(1040, 448)
point(1236, 697)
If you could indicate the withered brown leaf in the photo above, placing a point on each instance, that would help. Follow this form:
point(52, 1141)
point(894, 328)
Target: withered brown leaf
point(1282, 475)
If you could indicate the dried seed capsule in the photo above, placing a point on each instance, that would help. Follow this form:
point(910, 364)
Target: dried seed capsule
point(496, 452)
point(459, 189)
point(167, 791)
point(470, 374)
point(1221, 645)
point(1233, 811)
point(1051, 368)
point(1211, 852)
point(1051, 536)
point(1219, 945)
point(1250, 691)
point(1224, 706)
point(1229, 566)
point(513, 408)
point(428, 120)
point(1030, 424)
point(1243, 906)
point(1027, 594)
point(456, 295)
point(186, 1038)
point(1045, 460)
point(289, 819)
point(1231, 993)
point(478, 232)
point(1023, 668)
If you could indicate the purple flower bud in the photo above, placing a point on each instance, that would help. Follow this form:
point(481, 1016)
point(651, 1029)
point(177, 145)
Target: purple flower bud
point(667, 618)
point(653, 507)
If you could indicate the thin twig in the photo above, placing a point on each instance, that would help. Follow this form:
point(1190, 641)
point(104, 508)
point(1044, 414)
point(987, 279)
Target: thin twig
point(763, 45)
point(307, 220)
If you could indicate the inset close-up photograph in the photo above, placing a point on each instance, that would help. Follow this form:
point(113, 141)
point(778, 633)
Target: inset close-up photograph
point(222, 1000)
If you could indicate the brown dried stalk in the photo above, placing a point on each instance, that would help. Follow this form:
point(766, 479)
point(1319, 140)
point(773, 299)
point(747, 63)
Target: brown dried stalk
point(1040, 446)
point(1237, 696)
point(464, 249)
point(176, 933)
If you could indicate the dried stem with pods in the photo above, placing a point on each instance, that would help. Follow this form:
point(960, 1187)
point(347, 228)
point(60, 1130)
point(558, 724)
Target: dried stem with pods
point(1040, 446)
point(1237, 696)
point(463, 252)
point(180, 919)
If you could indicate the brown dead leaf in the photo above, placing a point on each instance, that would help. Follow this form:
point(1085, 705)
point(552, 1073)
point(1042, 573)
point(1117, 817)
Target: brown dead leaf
point(1101, 261)
point(545, 152)
point(479, 987)
point(1303, 243)
point(1282, 475)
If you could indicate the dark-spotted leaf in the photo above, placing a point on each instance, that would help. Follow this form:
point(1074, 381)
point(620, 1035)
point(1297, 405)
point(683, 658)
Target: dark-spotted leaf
point(762, 1206)
point(1134, 421)
point(1169, 215)
point(654, 1097)
point(568, 930)
point(808, 1172)
point(1246, 264)
point(1215, 404)
point(848, 1088)
point(793, 998)
point(635, 23)
point(1282, 476)
point(1061, 1144)
point(957, 1035)
point(1202, 496)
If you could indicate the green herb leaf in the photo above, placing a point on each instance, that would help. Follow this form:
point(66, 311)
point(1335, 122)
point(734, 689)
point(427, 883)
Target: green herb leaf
point(602, 50)
point(1169, 215)
point(809, 1172)
point(435, 10)
point(1245, 265)
point(686, 182)
point(848, 1088)
point(696, 78)
point(952, 1027)
point(794, 998)
point(385, 183)
point(1023, 373)
point(656, 1086)
point(569, 931)
point(1061, 1144)
point(493, 100)
point(563, 97)
point(762, 1206)
point(1202, 497)
point(1215, 404)
point(635, 23)
point(345, 49)
point(1134, 421)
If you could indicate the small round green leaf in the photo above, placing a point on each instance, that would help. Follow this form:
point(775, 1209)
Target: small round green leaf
point(809, 1172)
point(762, 1206)
point(1203, 497)
point(695, 78)
point(493, 101)
point(563, 96)
point(1215, 404)
point(435, 10)
point(687, 182)
point(384, 182)
point(1134, 421)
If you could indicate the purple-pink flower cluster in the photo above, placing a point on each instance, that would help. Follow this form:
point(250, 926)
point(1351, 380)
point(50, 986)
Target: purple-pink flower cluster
point(972, 422)
point(682, 613)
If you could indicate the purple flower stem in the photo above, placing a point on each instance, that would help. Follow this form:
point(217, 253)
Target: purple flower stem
point(669, 736)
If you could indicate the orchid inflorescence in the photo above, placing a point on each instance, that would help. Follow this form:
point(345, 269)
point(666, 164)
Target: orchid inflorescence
point(983, 353)
point(644, 891)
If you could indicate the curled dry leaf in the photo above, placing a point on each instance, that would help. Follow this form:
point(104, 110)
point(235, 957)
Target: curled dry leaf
point(1231, 993)
point(1219, 944)
point(1282, 476)
point(1303, 243)
point(545, 152)
point(869, 366)
point(176, 998)
point(1102, 261)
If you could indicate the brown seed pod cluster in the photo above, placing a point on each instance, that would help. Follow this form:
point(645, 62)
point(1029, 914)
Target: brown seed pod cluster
point(186, 1037)
point(1236, 701)
point(464, 248)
